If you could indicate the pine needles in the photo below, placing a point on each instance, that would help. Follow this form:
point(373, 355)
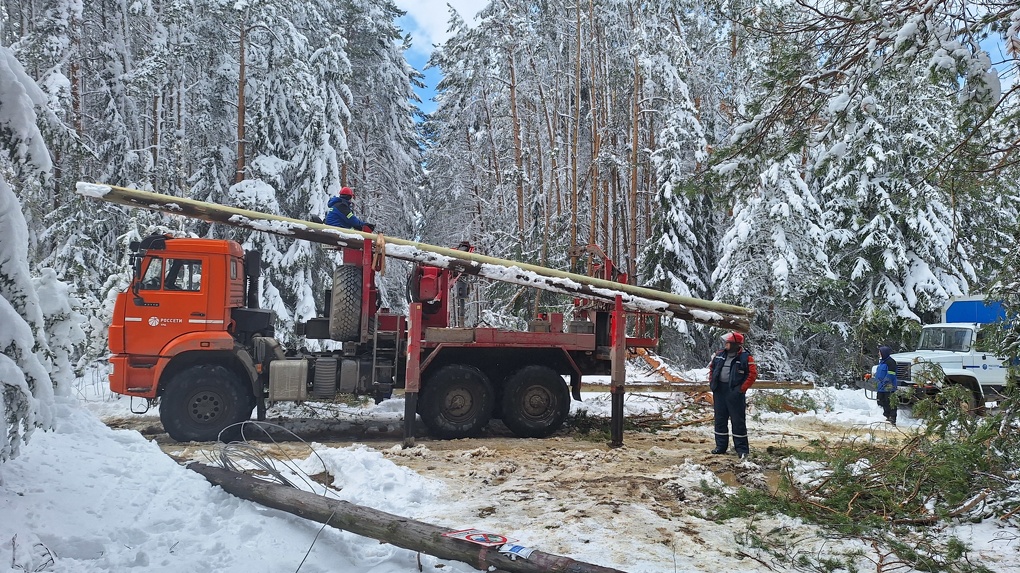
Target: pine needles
point(956, 468)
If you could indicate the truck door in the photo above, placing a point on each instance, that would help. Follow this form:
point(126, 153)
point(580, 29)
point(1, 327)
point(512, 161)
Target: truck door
point(172, 299)
point(989, 369)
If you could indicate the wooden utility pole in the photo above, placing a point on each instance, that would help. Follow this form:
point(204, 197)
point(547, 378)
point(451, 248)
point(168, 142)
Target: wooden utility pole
point(635, 298)
point(393, 529)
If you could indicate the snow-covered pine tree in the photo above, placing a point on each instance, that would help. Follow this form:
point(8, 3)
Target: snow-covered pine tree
point(458, 181)
point(26, 389)
point(478, 189)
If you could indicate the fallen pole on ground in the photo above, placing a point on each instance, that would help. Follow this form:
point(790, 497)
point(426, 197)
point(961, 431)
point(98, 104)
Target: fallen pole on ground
point(393, 529)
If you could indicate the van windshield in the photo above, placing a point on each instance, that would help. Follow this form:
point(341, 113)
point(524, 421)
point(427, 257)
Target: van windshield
point(953, 339)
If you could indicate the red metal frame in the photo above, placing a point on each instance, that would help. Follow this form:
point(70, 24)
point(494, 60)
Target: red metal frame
point(645, 326)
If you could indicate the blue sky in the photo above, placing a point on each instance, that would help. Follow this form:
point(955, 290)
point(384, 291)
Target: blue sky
point(426, 21)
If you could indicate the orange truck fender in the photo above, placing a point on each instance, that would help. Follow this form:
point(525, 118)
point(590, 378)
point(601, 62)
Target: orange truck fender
point(140, 378)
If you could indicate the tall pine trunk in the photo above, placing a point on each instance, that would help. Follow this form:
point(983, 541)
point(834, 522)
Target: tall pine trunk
point(239, 171)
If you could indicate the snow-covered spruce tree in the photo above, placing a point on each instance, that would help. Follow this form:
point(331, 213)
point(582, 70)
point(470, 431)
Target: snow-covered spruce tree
point(27, 390)
point(772, 245)
point(298, 105)
point(210, 115)
point(896, 239)
point(383, 159)
point(27, 400)
point(63, 325)
point(100, 93)
point(772, 255)
point(911, 56)
point(687, 60)
point(820, 70)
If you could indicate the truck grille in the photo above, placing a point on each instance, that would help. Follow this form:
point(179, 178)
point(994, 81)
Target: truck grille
point(903, 371)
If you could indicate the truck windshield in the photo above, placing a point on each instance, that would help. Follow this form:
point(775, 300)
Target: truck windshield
point(953, 339)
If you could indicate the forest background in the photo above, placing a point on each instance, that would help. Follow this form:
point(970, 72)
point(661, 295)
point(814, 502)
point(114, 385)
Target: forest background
point(843, 168)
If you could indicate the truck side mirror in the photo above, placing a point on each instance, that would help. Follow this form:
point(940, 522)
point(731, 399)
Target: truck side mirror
point(136, 280)
point(138, 300)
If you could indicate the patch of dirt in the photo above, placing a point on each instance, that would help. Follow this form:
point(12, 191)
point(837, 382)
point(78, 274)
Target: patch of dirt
point(560, 468)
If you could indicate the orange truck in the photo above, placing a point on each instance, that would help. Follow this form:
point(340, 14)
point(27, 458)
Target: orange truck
point(188, 332)
point(189, 335)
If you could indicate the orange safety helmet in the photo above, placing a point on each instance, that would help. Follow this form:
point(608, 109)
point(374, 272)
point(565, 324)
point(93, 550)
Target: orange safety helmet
point(347, 192)
point(734, 337)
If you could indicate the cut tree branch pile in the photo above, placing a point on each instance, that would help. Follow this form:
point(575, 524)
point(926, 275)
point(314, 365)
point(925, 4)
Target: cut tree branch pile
point(392, 529)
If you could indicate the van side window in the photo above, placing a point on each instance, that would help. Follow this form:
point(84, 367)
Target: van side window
point(153, 274)
point(183, 274)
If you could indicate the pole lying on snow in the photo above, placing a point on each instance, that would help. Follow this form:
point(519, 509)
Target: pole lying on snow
point(392, 529)
point(634, 298)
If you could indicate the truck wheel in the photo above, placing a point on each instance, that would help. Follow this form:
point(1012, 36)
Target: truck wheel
point(345, 311)
point(971, 402)
point(201, 401)
point(535, 402)
point(456, 401)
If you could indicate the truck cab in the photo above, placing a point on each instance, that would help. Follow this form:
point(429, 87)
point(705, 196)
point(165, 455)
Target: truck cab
point(180, 299)
point(955, 351)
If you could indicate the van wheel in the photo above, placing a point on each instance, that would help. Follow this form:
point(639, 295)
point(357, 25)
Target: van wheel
point(535, 402)
point(345, 310)
point(199, 402)
point(456, 401)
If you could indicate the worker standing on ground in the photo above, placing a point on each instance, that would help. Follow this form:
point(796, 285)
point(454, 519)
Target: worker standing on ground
point(341, 212)
point(885, 383)
point(730, 375)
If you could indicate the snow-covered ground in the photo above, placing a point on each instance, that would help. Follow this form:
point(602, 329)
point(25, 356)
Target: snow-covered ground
point(86, 497)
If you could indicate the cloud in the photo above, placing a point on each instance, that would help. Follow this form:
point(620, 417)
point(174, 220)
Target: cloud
point(427, 20)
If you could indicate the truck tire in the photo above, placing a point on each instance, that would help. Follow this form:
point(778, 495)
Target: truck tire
point(969, 401)
point(201, 401)
point(345, 310)
point(535, 402)
point(456, 401)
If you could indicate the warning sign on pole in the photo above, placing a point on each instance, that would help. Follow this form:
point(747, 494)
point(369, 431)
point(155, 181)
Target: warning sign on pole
point(479, 537)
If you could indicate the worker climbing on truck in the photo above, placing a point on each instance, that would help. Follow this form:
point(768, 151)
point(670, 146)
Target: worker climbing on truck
point(341, 212)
